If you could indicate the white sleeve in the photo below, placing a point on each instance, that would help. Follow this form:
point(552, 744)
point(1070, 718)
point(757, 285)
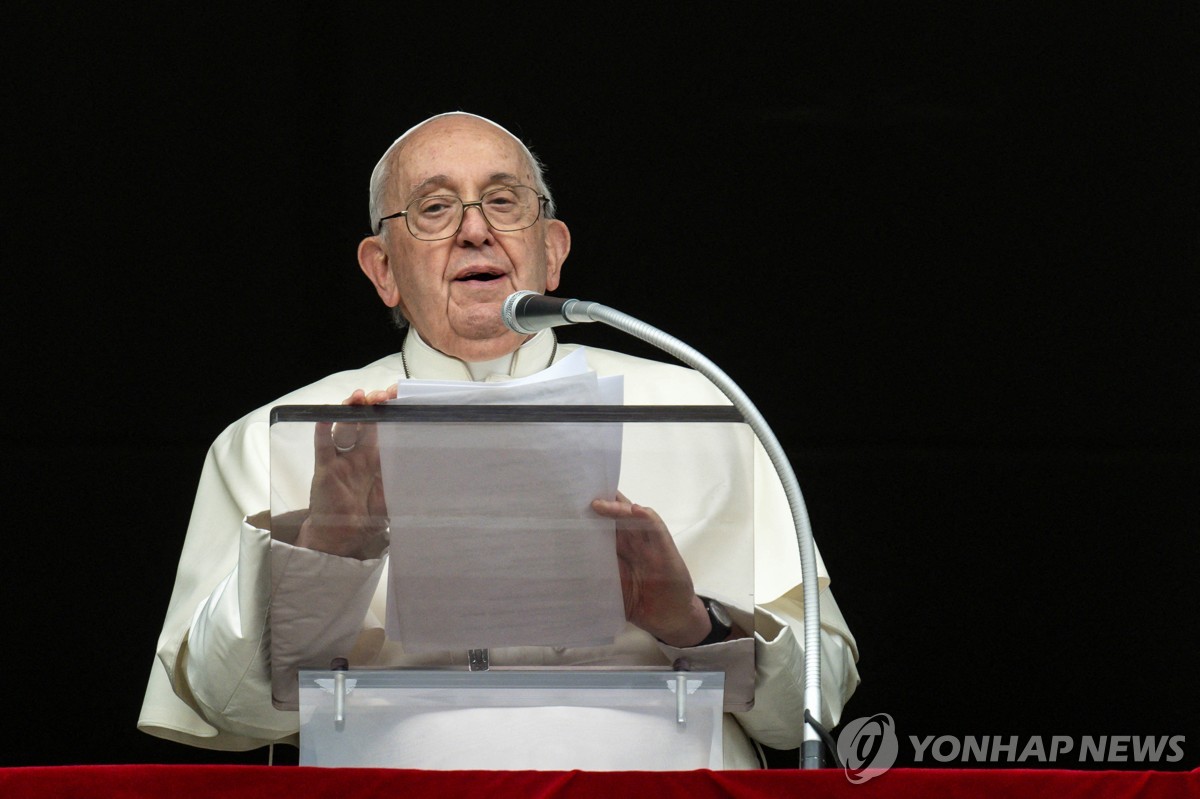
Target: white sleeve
point(234, 483)
point(316, 604)
point(210, 684)
point(777, 719)
point(777, 716)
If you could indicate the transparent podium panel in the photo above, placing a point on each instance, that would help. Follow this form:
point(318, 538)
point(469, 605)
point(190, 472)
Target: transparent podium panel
point(463, 537)
point(512, 720)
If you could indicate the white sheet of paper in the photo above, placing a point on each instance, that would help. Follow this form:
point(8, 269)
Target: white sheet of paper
point(493, 540)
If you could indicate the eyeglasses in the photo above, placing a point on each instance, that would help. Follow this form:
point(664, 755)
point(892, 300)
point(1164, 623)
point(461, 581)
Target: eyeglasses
point(440, 217)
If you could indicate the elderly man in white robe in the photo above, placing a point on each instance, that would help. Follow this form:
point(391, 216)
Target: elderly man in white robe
point(448, 248)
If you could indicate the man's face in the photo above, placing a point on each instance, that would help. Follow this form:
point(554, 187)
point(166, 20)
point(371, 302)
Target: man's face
point(451, 290)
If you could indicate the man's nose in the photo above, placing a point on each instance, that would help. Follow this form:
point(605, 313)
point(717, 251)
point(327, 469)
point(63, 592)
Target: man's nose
point(474, 229)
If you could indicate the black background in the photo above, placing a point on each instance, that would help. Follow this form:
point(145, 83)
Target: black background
point(950, 253)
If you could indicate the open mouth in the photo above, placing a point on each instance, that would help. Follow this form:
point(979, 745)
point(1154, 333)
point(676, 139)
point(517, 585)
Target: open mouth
point(483, 276)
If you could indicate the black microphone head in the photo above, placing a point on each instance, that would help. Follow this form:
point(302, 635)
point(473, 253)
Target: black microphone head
point(528, 312)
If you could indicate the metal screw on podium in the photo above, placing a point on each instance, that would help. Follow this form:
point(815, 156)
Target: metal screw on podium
point(339, 666)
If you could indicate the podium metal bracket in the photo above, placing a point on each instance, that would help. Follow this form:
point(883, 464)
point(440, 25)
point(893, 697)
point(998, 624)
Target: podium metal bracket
point(681, 686)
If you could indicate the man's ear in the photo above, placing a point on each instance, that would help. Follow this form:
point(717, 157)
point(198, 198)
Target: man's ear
point(558, 245)
point(373, 259)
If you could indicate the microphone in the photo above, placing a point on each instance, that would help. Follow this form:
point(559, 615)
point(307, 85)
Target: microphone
point(528, 312)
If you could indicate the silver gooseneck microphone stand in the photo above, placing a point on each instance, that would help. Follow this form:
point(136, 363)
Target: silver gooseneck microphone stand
point(572, 311)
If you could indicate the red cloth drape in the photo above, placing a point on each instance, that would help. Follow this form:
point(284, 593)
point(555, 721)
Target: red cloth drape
point(256, 782)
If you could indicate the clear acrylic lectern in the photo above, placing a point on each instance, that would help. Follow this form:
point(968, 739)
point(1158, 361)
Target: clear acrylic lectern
point(651, 720)
point(490, 631)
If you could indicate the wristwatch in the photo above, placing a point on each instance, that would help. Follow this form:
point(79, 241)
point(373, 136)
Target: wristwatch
point(722, 624)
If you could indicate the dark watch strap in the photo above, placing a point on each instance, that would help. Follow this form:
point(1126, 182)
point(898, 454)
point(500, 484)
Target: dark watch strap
point(721, 628)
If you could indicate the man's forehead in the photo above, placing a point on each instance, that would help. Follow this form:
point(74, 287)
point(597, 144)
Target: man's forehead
point(454, 156)
point(444, 181)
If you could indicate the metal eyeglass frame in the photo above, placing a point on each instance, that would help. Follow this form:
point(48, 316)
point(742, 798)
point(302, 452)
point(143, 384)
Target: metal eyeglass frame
point(541, 201)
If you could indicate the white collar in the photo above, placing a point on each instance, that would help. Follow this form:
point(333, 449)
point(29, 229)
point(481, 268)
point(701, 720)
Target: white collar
point(424, 362)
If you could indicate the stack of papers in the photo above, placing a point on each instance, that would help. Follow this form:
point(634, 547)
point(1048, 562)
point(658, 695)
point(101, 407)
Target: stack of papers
point(493, 539)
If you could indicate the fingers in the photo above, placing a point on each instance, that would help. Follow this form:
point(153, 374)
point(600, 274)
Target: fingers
point(323, 441)
point(360, 397)
point(346, 437)
point(609, 508)
point(332, 440)
point(622, 508)
point(637, 526)
point(380, 397)
point(655, 582)
point(613, 508)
